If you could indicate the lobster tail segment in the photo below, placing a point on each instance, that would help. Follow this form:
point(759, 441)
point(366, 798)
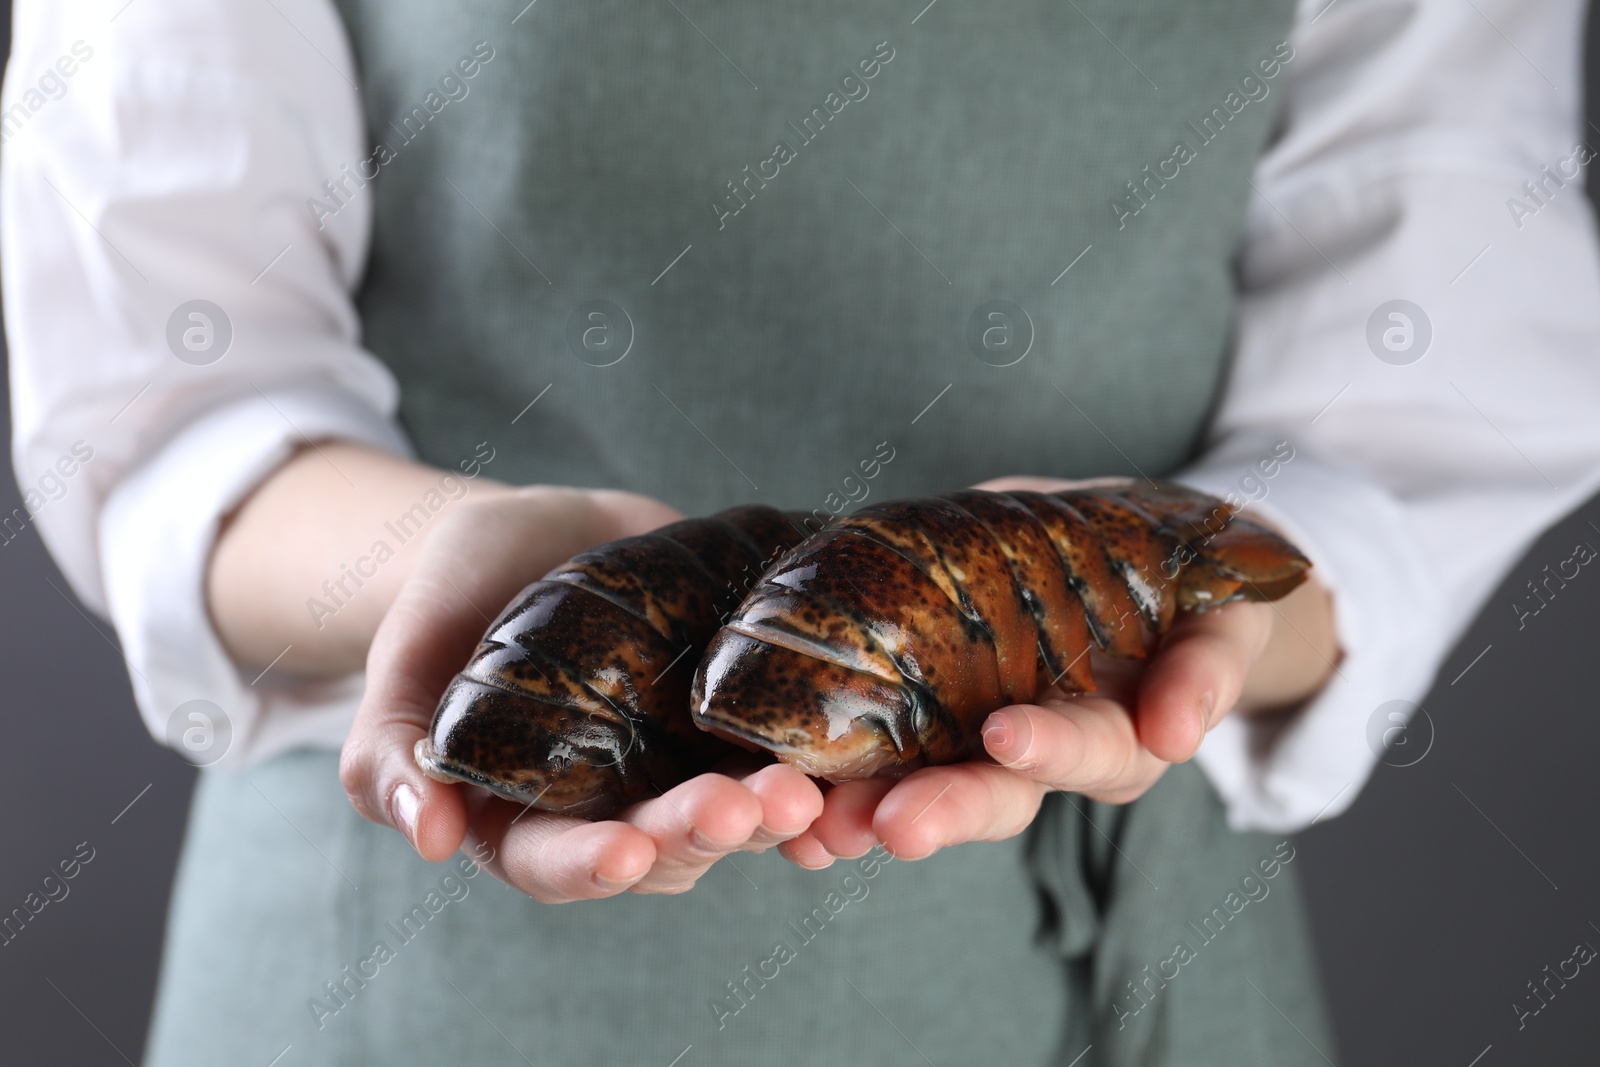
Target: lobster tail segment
point(823, 718)
point(572, 760)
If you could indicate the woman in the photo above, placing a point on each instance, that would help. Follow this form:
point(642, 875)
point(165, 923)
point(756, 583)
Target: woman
point(353, 271)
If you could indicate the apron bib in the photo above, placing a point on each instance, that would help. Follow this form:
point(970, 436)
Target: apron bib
point(807, 255)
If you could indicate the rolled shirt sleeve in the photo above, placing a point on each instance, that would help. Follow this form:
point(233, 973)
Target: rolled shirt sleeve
point(1429, 168)
point(178, 315)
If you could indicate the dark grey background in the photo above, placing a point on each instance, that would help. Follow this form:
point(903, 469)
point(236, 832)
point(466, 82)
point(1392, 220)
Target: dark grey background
point(1450, 885)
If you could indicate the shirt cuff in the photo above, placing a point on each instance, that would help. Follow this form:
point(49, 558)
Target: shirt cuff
point(156, 535)
point(1389, 617)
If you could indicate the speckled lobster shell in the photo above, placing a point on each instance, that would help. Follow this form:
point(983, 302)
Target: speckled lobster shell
point(577, 699)
point(884, 641)
point(878, 644)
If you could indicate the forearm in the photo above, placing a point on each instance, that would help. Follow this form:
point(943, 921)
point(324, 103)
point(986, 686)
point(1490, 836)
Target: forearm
point(314, 557)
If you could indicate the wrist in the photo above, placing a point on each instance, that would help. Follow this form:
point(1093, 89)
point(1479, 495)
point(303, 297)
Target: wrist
point(1301, 653)
point(302, 572)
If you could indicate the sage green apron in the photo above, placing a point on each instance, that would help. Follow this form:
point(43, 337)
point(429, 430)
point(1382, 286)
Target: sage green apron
point(803, 254)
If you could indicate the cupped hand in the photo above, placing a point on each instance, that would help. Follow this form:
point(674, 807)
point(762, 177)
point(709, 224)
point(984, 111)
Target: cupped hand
point(1111, 745)
point(473, 563)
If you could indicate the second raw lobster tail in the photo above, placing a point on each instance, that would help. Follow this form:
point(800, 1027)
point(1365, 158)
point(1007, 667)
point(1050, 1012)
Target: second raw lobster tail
point(883, 642)
point(576, 700)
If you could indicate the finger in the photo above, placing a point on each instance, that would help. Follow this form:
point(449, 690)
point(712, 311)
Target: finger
point(806, 851)
point(844, 828)
point(411, 661)
point(634, 514)
point(556, 858)
point(1196, 676)
point(790, 803)
point(939, 806)
point(693, 825)
point(1085, 745)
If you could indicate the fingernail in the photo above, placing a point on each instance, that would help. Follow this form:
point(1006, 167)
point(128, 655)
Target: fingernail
point(997, 733)
point(403, 808)
point(1208, 705)
point(764, 836)
point(1003, 738)
point(611, 885)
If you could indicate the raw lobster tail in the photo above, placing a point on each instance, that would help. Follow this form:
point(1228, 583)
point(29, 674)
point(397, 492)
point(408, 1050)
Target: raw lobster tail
point(878, 644)
point(885, 640)
point(576, 701)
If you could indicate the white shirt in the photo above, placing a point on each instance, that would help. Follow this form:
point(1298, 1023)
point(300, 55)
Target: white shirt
point(163, 151)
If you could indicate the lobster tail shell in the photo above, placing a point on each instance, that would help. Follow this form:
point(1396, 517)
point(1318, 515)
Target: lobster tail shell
point(884, 642)
point(575, 699)
point(878, 644)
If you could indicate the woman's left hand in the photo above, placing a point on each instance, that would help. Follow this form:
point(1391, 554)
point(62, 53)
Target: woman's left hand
point(1111, 745)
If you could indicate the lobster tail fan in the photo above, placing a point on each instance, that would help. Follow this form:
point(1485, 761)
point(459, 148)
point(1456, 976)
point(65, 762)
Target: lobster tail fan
point(1256, 555)
point(1227, 557)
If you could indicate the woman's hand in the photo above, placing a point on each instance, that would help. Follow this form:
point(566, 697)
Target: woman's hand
point(1111, 745)
point(473, 563)
point(415, 617)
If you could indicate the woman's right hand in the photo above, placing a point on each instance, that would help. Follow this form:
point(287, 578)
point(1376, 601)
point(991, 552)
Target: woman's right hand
point(474, 561)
